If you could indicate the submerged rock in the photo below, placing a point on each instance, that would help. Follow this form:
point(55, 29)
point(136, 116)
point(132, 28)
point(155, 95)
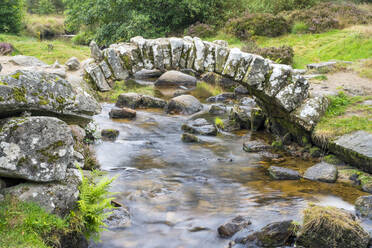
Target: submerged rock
point(118, 218)
point(184, 104)
point(46, 94)
point(363, 206)
point(233, 226)
point(134, 101)
point(175, 79)
point(122, 113)
point(57, 198)
point(35, 148)
point(221, 97)
point(323, 172)
point(330, 227)
point(280, 173)
point(110, 134)
point(200, 126)
point(189, 138)
point(255, 146)
point(276, 234)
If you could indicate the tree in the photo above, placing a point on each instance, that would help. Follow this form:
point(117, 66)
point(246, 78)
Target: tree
point(115, 20)
point(46, 7)
point(11, 14)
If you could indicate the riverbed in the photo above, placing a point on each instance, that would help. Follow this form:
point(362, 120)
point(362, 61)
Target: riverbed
point(179, 193)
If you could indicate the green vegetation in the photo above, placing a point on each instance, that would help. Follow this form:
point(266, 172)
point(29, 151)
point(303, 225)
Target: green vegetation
point(45, 26)
point(204, 90)
point(219, 123)
point(62, 50)
point(344, 115)
point(299, 28)
point(11, 14)
point(24, 224)
point(125, 87)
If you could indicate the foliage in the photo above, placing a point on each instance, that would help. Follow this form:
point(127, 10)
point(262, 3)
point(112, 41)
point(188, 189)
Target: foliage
point(83, 38)
point(326, 16)
point(94, 199)
point(46, 26)
point(219, 123)
point(299, 28)
point(276, 6)
point(280, 55)
point(263, 24)
point(199, 30)
point(148, 18)
point(25, 224)
point(62, 51)
point(46, 7)
point(11, 14)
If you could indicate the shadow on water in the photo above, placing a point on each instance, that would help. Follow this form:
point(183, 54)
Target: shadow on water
point(179, 193)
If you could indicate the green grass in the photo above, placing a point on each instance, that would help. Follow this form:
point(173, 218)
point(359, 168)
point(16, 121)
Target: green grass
point(63, 50)
point(345, 115)
point(25, 224)
point(350, 44)
point(125, 87)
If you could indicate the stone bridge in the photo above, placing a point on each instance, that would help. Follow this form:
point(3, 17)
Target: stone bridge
point(283, 96)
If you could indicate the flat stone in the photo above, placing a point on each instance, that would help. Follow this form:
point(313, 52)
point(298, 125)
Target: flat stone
point(280, 173)
point(233, 226)
point(355, 148)
point(122, 113)
point(118, 218)
point(320, 66)
point(175, 79)
point(323, 172)
point(200, 126)
point(23, 60)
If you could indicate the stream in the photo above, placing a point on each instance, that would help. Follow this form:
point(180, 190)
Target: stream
point(179, 193)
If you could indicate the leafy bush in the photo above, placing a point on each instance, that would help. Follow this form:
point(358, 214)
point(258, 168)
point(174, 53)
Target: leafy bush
point(276, 6)
point(148, 18)
point(200, 30)
point(326, 16)
point(83, 38)
point(282, 54)
point(299, 28)
point(46, 7)
point(94, 199)
point(11, 14)
point(263, 24)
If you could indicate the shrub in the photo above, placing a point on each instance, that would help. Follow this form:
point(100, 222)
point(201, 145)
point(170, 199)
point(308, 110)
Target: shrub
point(276, 6)
point(11, 14)
point(299, 28)
point(257, 24)
point(83, 38)
point(281, 55)
point(200, 30)
point(46, 7)
point(326, 16)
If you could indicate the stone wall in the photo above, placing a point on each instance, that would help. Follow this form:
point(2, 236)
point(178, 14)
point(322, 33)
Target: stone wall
point(283, 95)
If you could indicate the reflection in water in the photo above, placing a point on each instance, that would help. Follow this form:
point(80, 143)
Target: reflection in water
point(179, 193)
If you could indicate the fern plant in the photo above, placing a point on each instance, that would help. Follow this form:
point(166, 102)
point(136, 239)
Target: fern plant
point(95, 198)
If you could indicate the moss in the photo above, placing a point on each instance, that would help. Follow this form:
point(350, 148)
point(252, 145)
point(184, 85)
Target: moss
point(19, 94)
point(16, 75)
point(332, 159)
point(3, 83)
point(43, 100)
point(2, 99)
point(315, 152)
point(61, 100)
point(278, 144)
point(51, 158)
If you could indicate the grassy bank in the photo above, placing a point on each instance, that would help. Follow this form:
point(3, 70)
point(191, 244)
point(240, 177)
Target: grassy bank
point(349, 44)
point(62, 49)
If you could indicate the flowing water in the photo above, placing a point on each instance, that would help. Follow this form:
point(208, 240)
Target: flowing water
point(178, 193)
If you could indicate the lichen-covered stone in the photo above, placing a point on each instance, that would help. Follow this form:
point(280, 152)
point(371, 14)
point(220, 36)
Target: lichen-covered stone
point(200, 54)
point(134, 100)
point(218, 109)
point(146, 51)
point(105, 69)
point(130, 56)
point(185, 104)
point(257, 72)
point(175, 79)
point(310, 112)
point(210, 53)
point(95, 52)
point(162, 53)
point(98, 77)
point(57, 198)
point(243, 66)
point(222, 53)
point(279, 78)
point(232, 62)
point(176, 45)
point(292, 96)
point(188, 54)
point(73, 64)
point(363, 206)
point(35, 148)
point(255, 146)
point(44, 93)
